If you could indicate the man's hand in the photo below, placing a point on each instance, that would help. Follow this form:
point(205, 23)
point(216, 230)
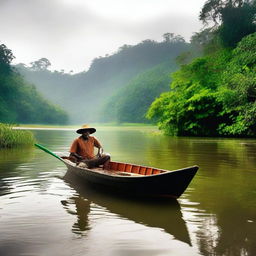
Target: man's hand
point(100, 152)
point(76, 155)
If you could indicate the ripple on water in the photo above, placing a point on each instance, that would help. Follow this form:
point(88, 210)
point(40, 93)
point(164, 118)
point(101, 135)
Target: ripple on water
point(43, 215)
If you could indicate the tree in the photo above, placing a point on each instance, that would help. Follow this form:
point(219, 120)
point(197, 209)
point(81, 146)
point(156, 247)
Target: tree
point(178, 39)
point(212, 9)
point(202, 38)
point(168, 36)
point(19, 101)
point(237, 22)
point(172, 38)
point(238, 90)
point(191, 107)
point(215, 95)
point(6, 58)
point(232, 19)
point(41, 64)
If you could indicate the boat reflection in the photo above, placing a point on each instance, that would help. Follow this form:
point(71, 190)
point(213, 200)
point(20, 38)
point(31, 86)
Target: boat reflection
point(164, 214)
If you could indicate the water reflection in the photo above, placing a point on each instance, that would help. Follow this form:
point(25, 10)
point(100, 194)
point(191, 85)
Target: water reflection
point(10, 159)
point(219, 207)
point(164, 214)
point(229, 230)
point(82, 209)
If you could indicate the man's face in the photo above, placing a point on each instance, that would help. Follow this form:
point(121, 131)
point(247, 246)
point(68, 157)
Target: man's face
point(85, 135)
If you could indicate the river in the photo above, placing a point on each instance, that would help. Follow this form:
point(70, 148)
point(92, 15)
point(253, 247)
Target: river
point(45, 211)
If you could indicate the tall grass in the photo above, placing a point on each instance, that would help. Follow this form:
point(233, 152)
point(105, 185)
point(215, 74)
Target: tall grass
point(10, 138)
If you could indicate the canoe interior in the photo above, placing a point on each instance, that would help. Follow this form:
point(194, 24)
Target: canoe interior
point(126, 169)
point(134, 169)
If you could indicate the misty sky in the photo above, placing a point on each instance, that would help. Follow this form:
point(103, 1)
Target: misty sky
point(71, 33)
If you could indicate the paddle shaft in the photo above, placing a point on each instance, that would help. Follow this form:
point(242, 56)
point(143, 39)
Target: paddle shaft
point(48, 151)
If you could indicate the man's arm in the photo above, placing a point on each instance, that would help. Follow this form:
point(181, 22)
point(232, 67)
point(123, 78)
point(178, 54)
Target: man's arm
point(100, 152)
point(76, 155)
point(98, 145)
point(73, 150)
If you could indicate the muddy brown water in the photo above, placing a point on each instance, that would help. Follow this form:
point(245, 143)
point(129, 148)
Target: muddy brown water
point(44, 210)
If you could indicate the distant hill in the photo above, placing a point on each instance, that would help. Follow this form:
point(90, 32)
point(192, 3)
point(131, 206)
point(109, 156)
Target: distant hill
point(84, 95)
point(20, 102)
point(131, 102)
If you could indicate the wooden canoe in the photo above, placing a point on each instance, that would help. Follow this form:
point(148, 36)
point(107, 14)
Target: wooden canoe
point(134, 179)
point(160, 213)
point(137, 180)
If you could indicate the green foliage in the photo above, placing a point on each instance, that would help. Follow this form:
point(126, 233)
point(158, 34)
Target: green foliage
point(20, 102)
point(213, 96)
point(233, 19)
point(212, 9)
point(206, 41)
point(190, 108)
point(237, 22)
point(6, 58)
point(238, 91)
point(10, 138)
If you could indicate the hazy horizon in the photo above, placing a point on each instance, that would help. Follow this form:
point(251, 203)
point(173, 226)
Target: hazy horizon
point(71, 33)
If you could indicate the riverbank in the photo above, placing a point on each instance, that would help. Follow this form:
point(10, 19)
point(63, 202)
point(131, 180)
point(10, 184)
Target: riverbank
point(10, 138)
point(91, 124)
point(98, 126)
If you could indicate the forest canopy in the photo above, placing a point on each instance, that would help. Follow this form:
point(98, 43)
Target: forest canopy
point(19, 101)
point(215, 95)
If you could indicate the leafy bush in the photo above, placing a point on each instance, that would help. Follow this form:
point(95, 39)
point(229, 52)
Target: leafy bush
point(191, 107)
point(237, 92)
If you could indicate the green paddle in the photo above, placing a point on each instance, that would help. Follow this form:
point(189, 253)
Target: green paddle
point(48, 151)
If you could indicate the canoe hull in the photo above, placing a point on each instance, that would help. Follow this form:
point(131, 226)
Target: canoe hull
point(168, 184)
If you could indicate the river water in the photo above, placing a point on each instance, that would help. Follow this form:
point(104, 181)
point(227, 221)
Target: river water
point(46, 211)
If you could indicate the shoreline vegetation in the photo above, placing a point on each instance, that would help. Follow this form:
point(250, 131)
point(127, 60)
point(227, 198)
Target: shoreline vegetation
point(77, 126)
point(15, 135)
point(99, 126)
point(10, 138)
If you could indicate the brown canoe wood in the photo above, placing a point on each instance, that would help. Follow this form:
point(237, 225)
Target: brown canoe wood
point(137, 180)
point(141, 180)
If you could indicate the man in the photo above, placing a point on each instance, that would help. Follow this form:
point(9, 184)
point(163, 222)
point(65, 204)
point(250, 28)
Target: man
point(82, 149)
